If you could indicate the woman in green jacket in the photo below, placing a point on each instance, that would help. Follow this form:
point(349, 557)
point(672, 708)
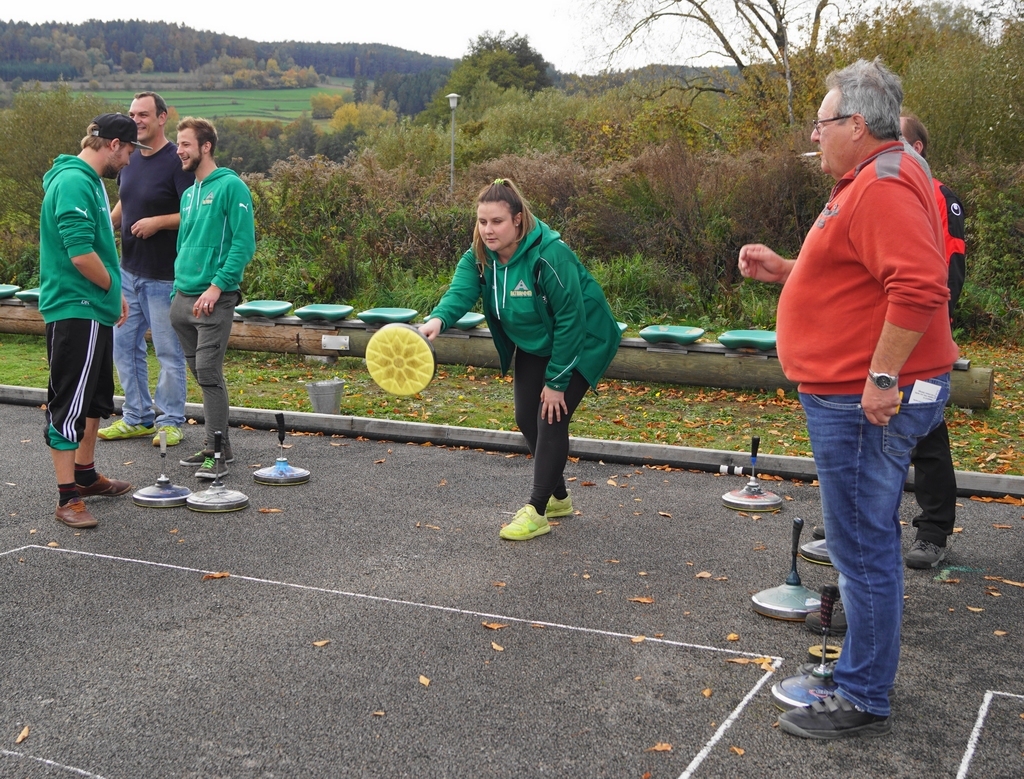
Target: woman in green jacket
point(549, 320)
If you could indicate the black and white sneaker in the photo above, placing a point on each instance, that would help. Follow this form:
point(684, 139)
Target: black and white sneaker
point(831, 718)
point(924, 554)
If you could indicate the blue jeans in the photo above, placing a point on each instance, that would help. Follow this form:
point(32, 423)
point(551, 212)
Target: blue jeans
point(149, 306)
point(862, 469)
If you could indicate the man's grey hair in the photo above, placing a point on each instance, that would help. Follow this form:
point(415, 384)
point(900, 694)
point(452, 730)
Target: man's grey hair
point(873, 91)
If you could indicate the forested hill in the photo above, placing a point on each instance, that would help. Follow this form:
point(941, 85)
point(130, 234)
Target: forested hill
point(48, 51)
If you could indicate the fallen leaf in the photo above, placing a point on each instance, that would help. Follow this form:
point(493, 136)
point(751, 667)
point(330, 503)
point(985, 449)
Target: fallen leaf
point(587, 484)
point(1003, 527)
point(53, 545)
point(706, 692)
point(975, 609)
point(664, 514)
point(611, 561)
point(221, 575)
point(32, 532)
point(378, 462)
point(950, 581)
point(721, 578)
point(325, 642)
point(494, 625)
point(498, 584)
point(22, 736)
point(270, 511)
point(999, 633)
point(424, 680)
point(958, 530)
point(378, 714)
point(641, 599)
point(994, 593)
point(703, 575)
point(612, 483)
point(660, 747)
point(638, 639)
point(736, 750)
point(172, 531)
point(497, 647)
point(641, 573)
point(1012, 584)
point(442, 483)
point(733, 637)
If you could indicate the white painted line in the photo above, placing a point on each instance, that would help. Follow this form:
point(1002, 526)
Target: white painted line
point(20, 549)
point(398, 602)
point(695, 763)
point(690, 769)
point(50, 763)
point(972, 743)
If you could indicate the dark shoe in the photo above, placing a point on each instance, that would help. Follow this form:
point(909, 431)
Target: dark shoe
point(817, 532)
point(924, 554)
point(212, 468)
point(75, 514)
point(813, 622)
point(833, 717)
point(196, 460)
point(104, 486)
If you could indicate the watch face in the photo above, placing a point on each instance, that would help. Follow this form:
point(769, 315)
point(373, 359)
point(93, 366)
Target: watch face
point(883, 381)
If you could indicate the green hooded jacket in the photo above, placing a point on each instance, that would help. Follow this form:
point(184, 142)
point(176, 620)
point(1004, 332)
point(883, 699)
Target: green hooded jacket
point(542, 301)
point(217, 236)
point(75, 220)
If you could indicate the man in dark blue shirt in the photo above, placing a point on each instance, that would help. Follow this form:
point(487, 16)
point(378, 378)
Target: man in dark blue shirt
point(148, 216)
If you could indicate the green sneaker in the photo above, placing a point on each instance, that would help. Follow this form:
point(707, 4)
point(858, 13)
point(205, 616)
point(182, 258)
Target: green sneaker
point(174, 435)
point(559, 508)
point(526, 525)
point(121, 429)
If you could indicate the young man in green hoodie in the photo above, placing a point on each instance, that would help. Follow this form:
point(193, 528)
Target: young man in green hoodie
point(216, 240)
point(80, 301)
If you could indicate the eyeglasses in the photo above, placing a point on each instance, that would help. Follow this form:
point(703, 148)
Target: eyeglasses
point(817, 123)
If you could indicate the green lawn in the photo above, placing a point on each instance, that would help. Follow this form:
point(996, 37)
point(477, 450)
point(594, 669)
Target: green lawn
point(284, 105)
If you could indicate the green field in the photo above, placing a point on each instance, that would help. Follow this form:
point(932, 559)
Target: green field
point(284, 105)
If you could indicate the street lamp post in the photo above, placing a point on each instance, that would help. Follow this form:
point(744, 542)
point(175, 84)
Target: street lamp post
point(453, 100)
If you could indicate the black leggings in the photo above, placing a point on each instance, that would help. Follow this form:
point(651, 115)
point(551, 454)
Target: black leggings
point(548, 442)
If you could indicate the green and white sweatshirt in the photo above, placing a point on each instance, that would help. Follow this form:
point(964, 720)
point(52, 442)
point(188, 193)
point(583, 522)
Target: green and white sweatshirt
point(75, 220)
point(542, 301)
point(217, 236)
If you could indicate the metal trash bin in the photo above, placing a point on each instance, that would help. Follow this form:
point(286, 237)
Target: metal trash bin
point(326, 395)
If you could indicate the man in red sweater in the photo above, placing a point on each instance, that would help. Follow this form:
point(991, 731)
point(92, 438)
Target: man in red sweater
point(934, 475)
point(862, 328)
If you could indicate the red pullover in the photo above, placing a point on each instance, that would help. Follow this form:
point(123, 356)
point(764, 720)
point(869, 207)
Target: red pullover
point(873, 255)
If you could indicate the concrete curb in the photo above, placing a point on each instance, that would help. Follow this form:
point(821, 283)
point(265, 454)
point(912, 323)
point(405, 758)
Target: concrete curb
point(709, 460)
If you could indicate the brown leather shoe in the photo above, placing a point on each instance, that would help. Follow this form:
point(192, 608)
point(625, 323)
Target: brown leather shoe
point(75, 514)
point(104, 486)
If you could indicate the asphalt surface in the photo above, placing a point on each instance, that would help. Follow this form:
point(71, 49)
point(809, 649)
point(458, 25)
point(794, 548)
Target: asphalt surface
point(122, 661)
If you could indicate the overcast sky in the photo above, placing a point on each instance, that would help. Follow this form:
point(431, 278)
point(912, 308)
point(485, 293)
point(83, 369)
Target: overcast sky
point(563, 31)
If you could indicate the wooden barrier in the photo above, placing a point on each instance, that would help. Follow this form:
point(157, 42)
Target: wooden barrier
point(700, 365)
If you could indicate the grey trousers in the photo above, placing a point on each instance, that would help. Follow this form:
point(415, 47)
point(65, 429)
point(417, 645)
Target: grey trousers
point(204, 339)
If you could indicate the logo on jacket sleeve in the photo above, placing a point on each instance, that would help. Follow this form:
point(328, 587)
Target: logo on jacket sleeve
point(521, 290)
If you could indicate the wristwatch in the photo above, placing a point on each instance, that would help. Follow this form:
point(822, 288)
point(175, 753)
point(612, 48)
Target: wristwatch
point(883, 381)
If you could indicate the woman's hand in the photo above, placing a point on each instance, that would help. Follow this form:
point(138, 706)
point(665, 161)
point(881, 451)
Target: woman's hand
point(431, 328)
point(552, 404)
